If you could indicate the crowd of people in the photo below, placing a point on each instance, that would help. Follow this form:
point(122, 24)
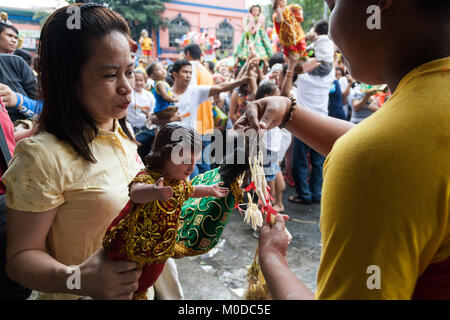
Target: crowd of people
point(79, 137)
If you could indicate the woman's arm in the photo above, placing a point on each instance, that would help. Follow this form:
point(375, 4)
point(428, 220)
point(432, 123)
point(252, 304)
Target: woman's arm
point(227, 86)
point(27, 261)
point(282, 282)
point(29, 264)
point(318, 131)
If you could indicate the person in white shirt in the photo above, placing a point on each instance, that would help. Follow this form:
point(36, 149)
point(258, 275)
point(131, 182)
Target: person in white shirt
point(191, 97)
point(312, 93)
point(138, 114)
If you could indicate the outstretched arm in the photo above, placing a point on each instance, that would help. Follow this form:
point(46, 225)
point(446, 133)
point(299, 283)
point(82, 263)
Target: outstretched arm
point(318, 131)
point(227, 86)
point(143, 193)
point(206, 191)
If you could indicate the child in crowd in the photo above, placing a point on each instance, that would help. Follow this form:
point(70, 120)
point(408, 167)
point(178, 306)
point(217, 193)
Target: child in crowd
point(323, 48)
point(145, 230)
point(138, 114)
point(164, 96)
point(142, 103)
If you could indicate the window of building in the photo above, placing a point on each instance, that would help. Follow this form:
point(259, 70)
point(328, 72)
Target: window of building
point(225, 33)
point(177, 28)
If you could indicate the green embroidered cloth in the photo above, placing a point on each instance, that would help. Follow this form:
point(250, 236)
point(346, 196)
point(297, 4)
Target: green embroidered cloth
point(202, 220)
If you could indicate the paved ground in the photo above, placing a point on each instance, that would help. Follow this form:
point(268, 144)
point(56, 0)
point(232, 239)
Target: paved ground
point(221, 274)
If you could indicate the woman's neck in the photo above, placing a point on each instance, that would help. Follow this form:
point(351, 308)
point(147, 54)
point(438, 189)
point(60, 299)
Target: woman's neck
point(107, 125)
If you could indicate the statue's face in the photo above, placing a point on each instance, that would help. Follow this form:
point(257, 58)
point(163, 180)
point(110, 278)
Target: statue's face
point(255, 11)
point(281, 3)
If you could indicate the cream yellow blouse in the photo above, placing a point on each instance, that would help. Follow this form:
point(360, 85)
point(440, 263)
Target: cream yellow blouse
point(45, 173)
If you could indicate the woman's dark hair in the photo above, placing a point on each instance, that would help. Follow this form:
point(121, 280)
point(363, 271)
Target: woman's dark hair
point(265, 89)
point(63, 52)
point(194, 51)
point(169, 136)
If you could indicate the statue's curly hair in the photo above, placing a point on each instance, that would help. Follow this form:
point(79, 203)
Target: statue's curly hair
point(171, 135)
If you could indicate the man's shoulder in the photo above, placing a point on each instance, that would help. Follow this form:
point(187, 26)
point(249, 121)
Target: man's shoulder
point(12, 59)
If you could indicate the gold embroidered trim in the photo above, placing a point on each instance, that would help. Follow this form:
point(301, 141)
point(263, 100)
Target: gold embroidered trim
point(140, 296)
point(149, 229)
point(291, 31)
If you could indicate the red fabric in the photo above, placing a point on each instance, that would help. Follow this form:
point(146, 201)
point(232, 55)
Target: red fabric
point(434, 283)
point(250, 186)
point(151, 271)
point(299, 47)
point(149, 275)
point(8, 129)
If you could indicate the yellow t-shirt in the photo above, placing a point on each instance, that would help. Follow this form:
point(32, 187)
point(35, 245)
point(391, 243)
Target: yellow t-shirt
point(45, 173)
point(205, 118)
point(386, 193)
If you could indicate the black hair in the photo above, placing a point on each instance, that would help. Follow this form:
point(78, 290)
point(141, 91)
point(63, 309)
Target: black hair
point(151, 68)
point(265, 89)
point(63, 53)
point(194, 51)
point(4, 25)
point(276, 58)
point(177, 65)
point(231, 168)
point(321, 27)
point(211, 66)
point(257, 6)
point(169, 77)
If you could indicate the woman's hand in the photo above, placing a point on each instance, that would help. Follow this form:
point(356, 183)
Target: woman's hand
point(102, 278)
point(274, 239)
point(266, 113)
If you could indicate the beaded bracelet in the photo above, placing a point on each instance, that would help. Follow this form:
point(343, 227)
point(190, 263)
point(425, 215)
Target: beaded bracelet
point(290, 113)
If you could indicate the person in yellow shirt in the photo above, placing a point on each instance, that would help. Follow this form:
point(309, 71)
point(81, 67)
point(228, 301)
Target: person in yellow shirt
point(205, 117)
point(386, 192)
point(66, 184)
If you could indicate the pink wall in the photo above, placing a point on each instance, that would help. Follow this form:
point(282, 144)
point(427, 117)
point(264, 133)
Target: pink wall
point(206, 14)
